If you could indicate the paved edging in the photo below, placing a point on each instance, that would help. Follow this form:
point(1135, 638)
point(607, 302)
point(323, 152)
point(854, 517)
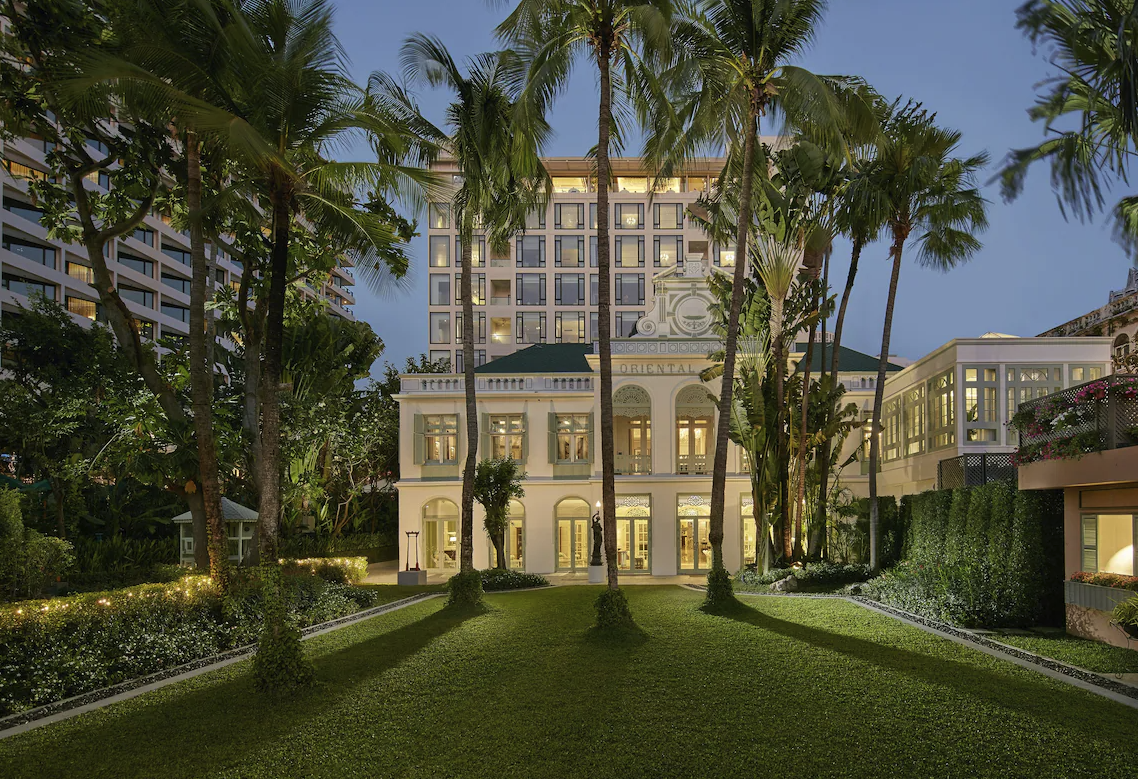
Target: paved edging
point(132, 688)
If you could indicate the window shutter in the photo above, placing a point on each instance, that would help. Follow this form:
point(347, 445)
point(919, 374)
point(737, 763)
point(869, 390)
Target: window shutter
point(420, 444)
point(552, 437)
point(592, 451)
point(525, 438)
point(484, 428)
point(459, 437)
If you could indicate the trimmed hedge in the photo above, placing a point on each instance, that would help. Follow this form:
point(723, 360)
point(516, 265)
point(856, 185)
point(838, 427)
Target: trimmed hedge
point(376, 547)
point(338, 570)
point(504, 579)
point(982, 556)
point(54, 649)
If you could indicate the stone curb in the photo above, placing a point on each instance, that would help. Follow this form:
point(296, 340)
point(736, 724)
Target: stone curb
point(131, 688)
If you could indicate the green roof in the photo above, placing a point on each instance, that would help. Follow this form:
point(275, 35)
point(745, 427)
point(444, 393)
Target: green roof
point(542, 358)
point(849, 361)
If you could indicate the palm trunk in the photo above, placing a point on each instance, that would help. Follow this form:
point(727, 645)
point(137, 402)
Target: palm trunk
point(800, 503)
point(604, 317)
point(201, 371)
point(878, 398)
point(780, 447)
point(466, 550)
point(727, 383)
point(815, 552)
point(269, 471)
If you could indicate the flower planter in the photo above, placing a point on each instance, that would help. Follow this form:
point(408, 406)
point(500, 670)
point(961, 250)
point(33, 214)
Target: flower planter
point(1092, 596)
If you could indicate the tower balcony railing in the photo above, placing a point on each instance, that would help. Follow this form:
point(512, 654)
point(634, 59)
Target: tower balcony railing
point(1091, 417)
point(632, 464)
point(699, 464)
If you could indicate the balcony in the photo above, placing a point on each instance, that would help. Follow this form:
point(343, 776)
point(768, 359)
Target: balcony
point(632, 464)
point(696, 464)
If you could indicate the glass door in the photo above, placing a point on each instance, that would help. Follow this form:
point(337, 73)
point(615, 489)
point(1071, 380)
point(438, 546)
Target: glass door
point(694, 523)
point(572, 544)
point(633, 533)
point(440, 543)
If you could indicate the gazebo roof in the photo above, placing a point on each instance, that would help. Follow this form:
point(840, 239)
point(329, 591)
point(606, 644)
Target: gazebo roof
point(229, 511)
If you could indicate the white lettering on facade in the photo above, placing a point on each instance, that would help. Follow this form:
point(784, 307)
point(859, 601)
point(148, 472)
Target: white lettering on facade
point(660, 370)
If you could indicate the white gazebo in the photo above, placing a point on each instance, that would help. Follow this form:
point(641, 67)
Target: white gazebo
point(240, 526)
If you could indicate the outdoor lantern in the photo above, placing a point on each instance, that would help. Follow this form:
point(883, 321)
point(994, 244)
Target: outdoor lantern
point(410, 534)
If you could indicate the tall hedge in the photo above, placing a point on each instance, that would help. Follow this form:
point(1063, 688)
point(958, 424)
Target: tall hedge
point(986, 555)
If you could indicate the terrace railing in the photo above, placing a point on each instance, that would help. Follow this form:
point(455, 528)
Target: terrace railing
point(974, 470)
point(1092, 417)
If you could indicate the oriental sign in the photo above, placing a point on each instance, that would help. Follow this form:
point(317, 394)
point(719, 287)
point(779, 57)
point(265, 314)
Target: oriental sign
point(660, 369)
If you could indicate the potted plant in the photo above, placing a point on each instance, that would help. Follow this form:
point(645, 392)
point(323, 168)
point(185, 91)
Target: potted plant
point(1126, 617)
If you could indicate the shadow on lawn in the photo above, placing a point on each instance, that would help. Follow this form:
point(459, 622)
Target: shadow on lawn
point(1026, 695)
point(211, 728)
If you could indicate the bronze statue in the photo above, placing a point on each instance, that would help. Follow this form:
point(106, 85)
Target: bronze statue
point(598, 539)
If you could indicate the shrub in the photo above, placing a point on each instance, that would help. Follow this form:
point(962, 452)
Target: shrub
point(279, 667)
point(1116, 580)
point(464, 589)
point(53, 649)
point(750, 577)
point(612, 610)
point(121, 562)
point(813, 576)
point(1126, 614)
point(338, 570)
point(718, 588)
point(957, 528)
point(504, 579)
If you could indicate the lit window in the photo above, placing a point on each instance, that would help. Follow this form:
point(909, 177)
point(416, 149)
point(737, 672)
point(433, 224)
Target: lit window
point(507, 432)
point(573, 432)
point(440, 436)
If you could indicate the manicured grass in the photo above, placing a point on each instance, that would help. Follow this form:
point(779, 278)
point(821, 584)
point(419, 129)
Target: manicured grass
point(1091, 655)
point(386, 593)
point(781, 687)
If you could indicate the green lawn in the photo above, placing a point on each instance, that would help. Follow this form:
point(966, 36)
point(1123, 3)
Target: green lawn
point(1091, 655)
point(784, 687)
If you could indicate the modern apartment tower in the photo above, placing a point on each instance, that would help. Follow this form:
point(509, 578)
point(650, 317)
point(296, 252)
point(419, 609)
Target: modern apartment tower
point(544, 289)
point(151, 267)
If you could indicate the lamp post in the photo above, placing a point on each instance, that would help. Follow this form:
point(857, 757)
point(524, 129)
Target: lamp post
point(411, 576)
point(596, 565)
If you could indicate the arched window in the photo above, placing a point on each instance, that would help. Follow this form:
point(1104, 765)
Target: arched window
point(632, 430)
point(1122, 345)
point(572, 517)
point(440, 534)
point(695, 421)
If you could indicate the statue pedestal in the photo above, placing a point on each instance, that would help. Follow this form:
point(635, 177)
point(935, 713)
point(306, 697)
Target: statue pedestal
point(412, 578)
point(597, 574)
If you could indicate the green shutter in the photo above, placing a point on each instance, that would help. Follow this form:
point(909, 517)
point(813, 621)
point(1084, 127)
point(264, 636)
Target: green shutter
point(484, 444)
point(420, 444)
point(592, 454)
point(525, 438)
point(552, 437)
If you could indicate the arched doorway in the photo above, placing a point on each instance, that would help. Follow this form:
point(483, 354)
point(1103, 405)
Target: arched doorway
point(693, 517)
point(1121, 346)
point(632, 430)
point(440, 534)
point(695, 430)
point(515, 539)
point(571, 517)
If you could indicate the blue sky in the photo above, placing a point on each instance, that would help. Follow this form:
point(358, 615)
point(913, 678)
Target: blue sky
point(963, 59)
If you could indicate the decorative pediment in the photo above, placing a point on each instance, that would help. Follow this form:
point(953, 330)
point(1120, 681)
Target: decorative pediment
point(682, 303)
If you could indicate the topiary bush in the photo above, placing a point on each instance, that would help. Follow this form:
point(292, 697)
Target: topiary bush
point(719, 591)
point(612, 610)
point(279, 667)
point(505, 579)
point(464, 589)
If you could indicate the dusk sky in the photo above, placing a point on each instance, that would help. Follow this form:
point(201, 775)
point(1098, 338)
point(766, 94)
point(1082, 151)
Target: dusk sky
point(964, 59)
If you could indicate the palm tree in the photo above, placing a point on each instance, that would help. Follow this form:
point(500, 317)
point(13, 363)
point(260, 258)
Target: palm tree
point(1092, 43)
point(860, 220)
point(734, 70)
point(496, 146)
point(550, 36)
point(928, 196)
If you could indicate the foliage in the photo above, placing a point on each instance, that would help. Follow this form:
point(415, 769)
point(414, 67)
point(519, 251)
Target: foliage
point(1102, 579)
point(508, 579)
point(338, 570)
point(29, 561)
point(279, 667)
point(612, 610)
point(1126, 614)
point(1088, 111)
point(120, 561)
point(496, 483)
point(464, 589)
point(983, 556)
point(810, 577)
